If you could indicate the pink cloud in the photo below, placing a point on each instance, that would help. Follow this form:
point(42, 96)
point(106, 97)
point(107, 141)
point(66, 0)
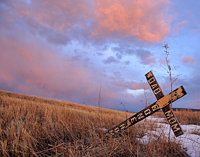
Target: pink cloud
point(146, 20)
point(188, 60)
point(129, 85)
point(180, 25)
point(197, 30)
point(163, 61)
point(6, 77)
point(58, 15)
point(33, 67)
point(142, 18)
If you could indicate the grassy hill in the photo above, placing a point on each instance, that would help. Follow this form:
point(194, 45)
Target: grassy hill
point(33, 126)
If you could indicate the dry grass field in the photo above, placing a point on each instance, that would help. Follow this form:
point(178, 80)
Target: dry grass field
point(184, 117)
point(32, 126)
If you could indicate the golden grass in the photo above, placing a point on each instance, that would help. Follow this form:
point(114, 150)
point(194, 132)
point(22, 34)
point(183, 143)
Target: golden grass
point(32, 126)
point(184, 117)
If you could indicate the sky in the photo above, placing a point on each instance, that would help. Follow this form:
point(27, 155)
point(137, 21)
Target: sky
point(97, 52)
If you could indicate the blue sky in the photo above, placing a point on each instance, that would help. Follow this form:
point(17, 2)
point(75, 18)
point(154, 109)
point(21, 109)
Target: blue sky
point(68, 50)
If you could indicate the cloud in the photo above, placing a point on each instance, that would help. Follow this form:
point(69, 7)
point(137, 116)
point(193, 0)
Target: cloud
point(180, 25)
point(141, 18)
point(36, 42)
point(57, 15)
point(63, 21)
point(110, 60)
point(57, 21)
point(188, 60)
point(29, 65)
point(146, 57)
point(163, 61)
point(186, 16)
point(197, 30)
point(129, 85)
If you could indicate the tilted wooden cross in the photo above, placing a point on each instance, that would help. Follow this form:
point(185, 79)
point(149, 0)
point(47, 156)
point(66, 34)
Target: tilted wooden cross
point(163, 102)
point(167, 109)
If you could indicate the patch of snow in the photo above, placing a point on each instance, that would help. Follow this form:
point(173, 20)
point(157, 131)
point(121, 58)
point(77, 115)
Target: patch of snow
point(156, 119)
point(191, 128)
point(189, 140)
point(103, 129)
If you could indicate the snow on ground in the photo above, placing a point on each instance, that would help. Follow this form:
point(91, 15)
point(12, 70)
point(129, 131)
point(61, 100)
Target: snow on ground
point(189, 140)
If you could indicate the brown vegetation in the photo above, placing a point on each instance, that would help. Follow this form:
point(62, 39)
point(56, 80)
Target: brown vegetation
point(185, 117)
point(32, 126)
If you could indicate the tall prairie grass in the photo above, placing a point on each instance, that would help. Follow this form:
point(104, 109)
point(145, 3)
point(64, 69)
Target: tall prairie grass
point(32, 126)
point(185, 117)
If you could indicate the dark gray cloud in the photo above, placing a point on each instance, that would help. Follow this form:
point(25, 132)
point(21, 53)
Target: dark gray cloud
point(146, 57)
point(110, 60)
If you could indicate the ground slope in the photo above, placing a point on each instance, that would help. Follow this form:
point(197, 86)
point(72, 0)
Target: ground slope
point(43, 127)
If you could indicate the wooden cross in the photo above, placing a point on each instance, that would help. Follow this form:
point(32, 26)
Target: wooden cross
point(167, 109)
point(163, 103)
